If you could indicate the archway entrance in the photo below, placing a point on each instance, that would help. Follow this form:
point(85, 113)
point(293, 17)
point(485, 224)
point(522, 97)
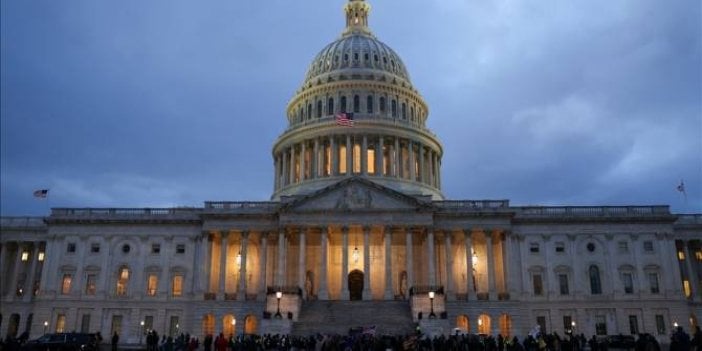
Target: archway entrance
point(355, 285)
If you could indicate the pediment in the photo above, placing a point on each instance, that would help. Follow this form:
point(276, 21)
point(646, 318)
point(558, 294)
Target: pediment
point(356, 194)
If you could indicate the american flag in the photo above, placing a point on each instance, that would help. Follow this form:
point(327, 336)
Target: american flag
point(41, 193)
point(344, 119)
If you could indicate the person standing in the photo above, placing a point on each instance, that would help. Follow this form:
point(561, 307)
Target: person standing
point(115, 341)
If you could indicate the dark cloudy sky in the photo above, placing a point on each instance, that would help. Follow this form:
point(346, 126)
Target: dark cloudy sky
point(171, 102)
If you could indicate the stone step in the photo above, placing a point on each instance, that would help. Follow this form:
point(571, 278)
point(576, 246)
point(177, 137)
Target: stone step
point(337, 317)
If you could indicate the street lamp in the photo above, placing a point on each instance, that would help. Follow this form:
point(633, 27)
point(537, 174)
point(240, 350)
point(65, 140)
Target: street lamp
point(431, 299)
point(141, 335)
point(46, 325)
point(233, 326)
point(572, 327)
point(278, 295)
point(675, 325)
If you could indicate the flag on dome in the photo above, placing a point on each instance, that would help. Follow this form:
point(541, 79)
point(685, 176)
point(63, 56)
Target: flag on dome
point(344, 119)
point(41, 193)
point(681, 187)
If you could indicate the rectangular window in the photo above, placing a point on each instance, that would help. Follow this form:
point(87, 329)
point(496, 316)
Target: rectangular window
point(90, 284)
point(60, 323)
point(71, 248)
point(180, 248)
point(356, 158)
point(686, 288)
point(534, 247)
point(681, 255)
point(152, 285)
point(327, 160)
point(174, 326)
point(623, 246)
point(116, 326)
point(342, 159)
point(148, 322)
point(541, 321)
point(567, 324)
point(628, 281)
point(648, 246)
point(386, 160)
point(40, 257)
point(600, 325)
point(563, 284)
point(85, 324)
point(653, 283)
point(177, 285)
point(95, 248)
point(155, 248)
point(633, 325)
point(660, 324)
point(370, 157)
point(66, 284)
point(560, 247)
point(538, 285)
point(698, 255)
point(25, 256)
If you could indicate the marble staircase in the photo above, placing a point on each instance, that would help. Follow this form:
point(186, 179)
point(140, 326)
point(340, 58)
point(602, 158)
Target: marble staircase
point(337, 317)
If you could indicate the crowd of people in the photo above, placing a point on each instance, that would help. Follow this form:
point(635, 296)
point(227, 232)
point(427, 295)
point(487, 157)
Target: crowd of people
point(369, 341)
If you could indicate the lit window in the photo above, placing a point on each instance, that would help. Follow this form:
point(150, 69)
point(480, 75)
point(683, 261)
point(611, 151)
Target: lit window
point(25, 256)
point(66, 284)
point(90, 284)
point(177, 285)
point(370, 157)
point(342, 159)
point(356, 158)
point(41, 256)
point(681, 255)
point(686, 288)
point(152, 284)
point(60, 323)
point(122, 281)
point(180, 248)
point(698, 255)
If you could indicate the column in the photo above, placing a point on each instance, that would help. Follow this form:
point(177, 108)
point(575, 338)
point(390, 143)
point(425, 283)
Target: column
point(29, 285)
point(491, 265)
point(334, 157)
point(323, 290)
point(242, 270)
point(506, 269)
point(76, 285)
point(691, 274)
point(412, 161)
point(432, 166)
point(379, 156)
point(303, 164)
point(421, 164)
point(468, 240)
point(410, 261)
point(349, 155)
point(389, 291)
point(223, 264)
point(302, 264)
point(280, 268)
point(284, 177)
point(197, 272)
point(397, 173)
point(366, 263)
point(315, 160)
point(263, 254)
point(364, 155)
point(12, 292)
point(292, 164)
point(344, 263)
point(431, 256)
point(449, 265)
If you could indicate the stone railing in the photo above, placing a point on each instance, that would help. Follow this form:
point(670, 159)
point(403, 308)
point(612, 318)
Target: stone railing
point(472, 204)
point(362, 117)
point(688, 219)
point(85, 212)
point(247, 206)
point(21, 222)
point(591, 211)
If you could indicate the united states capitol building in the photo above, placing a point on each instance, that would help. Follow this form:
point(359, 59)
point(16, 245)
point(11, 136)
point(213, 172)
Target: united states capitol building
point(357, 233)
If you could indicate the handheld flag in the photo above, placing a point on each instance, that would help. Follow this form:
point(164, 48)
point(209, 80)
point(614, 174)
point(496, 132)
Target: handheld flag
point(344, 119)
point(41, 193)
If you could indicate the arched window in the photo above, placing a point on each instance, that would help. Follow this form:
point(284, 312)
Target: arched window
point(356, 104)
point(382, 104)
point(319, 108)
point(595, 282)
point(122, 281)
point(369, 104)
point(393, 108)
point(343, 104)
point(309, 111)
point(330, 106)
point(412, 113)
point(404, 111)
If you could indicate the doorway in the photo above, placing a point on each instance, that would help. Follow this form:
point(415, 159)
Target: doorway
point(355, 285)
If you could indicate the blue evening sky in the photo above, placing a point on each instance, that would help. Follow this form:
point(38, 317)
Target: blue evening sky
point(172, 103)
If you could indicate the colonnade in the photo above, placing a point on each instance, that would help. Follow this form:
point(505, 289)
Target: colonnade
point(346, 154)
point(21, 264)
point(468, 264)
point(689, 254)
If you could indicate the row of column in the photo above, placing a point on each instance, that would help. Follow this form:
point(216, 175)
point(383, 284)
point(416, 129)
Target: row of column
point(27, 263)
point(690, 261)
point(392, 157)
point(279, 276)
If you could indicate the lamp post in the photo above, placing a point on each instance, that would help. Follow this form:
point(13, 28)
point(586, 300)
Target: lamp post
point(278, 295)
point(233, 326)
point(431, 300)
point(572, 328)
point(46, 325)
point(141, 334)
point(675, 325)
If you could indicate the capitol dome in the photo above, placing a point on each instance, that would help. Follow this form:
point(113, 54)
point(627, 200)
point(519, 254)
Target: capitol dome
point(381, 135)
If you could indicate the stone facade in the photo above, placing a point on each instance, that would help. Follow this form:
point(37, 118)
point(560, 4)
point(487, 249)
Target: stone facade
point(357, 213)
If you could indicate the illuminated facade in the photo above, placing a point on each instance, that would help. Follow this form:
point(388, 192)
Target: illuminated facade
point(357, 214)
